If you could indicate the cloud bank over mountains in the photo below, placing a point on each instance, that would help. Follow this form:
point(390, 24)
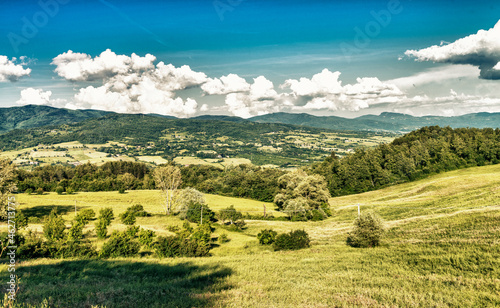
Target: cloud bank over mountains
point(141, 84)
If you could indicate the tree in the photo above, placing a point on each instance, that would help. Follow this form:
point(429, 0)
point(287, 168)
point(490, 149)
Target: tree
point(127, 179)
point(301, 193)
point(368, 228)
point(7, 184)
point(230, 214)
point(167, 179)
point(185, 198)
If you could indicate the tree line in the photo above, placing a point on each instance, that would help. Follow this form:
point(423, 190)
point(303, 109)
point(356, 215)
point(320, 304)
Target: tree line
point(413, 156)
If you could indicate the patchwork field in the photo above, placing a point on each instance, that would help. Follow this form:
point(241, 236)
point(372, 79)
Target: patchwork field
point(441, 249)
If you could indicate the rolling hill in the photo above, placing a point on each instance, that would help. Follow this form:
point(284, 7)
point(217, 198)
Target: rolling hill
point(35, 116)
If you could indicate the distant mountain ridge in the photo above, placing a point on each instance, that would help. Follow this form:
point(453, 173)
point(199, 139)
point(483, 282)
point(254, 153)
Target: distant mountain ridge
point(386, 121)
point(32, 116)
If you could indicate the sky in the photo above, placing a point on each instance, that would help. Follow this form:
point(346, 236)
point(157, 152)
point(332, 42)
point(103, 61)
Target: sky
point(252, 57)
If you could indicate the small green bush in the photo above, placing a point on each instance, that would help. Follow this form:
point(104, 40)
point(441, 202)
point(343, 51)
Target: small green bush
point(223, 238)
point(76, 231)
point(84, 216)
point(294, 240)
point(54, 226)
point(70, 191)
point(368, 229)
point(29, 191)
point(128, 218)
point(267, 236)
point(194, 213)
point(74, 249)
point(101, 229)
point(120, 245)
point(59, 190)
point(146, 238)
point(132, 231)
point(106, 215)
point(39, 191)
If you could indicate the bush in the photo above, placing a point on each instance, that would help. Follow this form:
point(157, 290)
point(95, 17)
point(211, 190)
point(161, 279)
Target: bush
point(120, 245)
point(72, 249)
point(194, 213)
point(76, 231)
point(176, 246)
point(223, 238)
point(84, 216)
point(368, 228)
point(121, 190)
point(267, 237)
point(59, 190)
point(54, 226)
point(146, 238)
point(29, 191)
point(132, 231)
point(101, 229)
point(39, 191)
point(70, 191)
point(128, 218)
point(138, 210)
point(106, 215)
point(294, 240)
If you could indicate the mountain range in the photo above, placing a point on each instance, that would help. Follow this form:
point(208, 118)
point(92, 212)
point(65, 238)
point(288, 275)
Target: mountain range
point(31, 116)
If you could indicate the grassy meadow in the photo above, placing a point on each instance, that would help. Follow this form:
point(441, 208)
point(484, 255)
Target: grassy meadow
point(441, 249)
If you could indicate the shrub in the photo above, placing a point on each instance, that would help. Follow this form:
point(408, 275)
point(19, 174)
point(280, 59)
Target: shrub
point(146, 238)
point(223, 238)
point(39, 191)
point(54, 226)
point(132, 231)
point(294, 240)
point(138, 210)
point(73, 249)
point(76, 231)
point(368, 228)
point(121, 190)
point(59, 190)
point(101, 228)
point(84, 216)
point(29, 191)
point(167, 247)
point(120, 245)
point(70, 191)
point(267, 237)
point(194, 213)
point(127, 218)
point(106, 214)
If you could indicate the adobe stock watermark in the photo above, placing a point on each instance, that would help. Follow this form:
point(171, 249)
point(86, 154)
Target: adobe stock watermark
point(31, 26)
point(223, 6)
point(11, 248)
point(372, 29)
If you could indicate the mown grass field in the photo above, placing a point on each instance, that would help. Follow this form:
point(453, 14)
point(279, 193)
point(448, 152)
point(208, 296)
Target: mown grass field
point(441, 249)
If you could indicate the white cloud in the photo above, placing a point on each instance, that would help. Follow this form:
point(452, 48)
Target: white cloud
point(324, 91)
point(231, 83)
point(129, 84)
point(11, 71)
point(260, 99)
point(481, 50)
point(75, 66)
point(31, 96)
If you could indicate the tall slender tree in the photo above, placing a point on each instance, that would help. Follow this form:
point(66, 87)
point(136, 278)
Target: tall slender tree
point(167, 179)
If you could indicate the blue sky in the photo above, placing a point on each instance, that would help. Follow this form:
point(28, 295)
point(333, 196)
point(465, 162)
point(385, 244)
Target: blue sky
point(278, 40)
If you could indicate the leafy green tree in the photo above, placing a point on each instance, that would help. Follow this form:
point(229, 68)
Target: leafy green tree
point(230, 214)
point(368, 229)
point(301, 193)
point(185, 198)
point(200, 213)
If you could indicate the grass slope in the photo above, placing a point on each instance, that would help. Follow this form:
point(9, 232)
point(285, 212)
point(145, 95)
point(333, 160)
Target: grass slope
point(441, 250)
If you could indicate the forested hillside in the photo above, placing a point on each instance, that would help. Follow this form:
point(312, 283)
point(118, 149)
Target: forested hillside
point(418, 154)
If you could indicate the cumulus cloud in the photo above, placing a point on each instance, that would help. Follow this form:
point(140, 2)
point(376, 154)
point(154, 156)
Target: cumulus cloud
point(11, 71)
point(481, 49)
point(325, 91)
point(129, 84)
point(261, 98)
point(31, 96)
point(231, 83)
